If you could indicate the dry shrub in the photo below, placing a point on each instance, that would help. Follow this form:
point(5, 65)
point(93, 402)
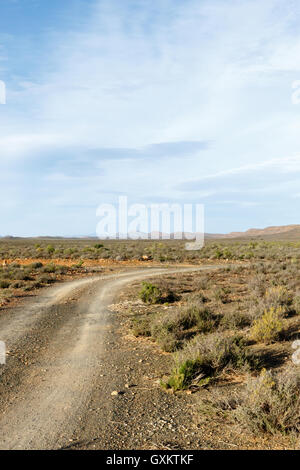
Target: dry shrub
point(257, 285)
point(271, 403)
point(141, 326)
point(207, 356)
point(296, 304)
point(268, 328)
point(221, 294)
point(278, 296)
point(170, 329)
point(4, 284)
point(233, 320)
point(203, 282)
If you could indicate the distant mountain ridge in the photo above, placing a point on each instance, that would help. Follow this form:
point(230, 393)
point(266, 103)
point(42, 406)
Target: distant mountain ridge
point(276, 232)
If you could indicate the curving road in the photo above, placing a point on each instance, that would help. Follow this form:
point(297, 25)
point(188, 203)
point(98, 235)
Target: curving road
point(57, 344)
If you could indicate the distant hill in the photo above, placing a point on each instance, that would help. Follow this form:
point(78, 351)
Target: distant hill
point(282, 232)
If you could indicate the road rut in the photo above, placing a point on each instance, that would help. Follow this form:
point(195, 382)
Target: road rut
point(56, 352)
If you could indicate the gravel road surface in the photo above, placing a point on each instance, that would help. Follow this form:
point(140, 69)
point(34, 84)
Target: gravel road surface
point(65, 357)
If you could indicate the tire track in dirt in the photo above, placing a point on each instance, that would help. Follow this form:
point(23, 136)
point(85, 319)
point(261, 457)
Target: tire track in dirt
point(56, 349)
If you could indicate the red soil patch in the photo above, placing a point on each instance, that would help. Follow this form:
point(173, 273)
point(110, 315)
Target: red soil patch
point(72, 262)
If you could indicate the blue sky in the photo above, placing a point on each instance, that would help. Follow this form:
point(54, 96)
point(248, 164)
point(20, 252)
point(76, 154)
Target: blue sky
point(160, 100)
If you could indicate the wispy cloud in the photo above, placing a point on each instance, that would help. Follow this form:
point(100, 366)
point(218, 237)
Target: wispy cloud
point(154, 151)
point(270, 176)
point(171, 99)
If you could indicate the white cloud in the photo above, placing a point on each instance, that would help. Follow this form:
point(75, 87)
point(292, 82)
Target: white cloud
point(186, 79)
point(24, 145)
point(163, 72)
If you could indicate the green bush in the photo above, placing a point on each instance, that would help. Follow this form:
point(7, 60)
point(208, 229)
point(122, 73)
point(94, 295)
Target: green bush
point(150, 294)
point(50, 249)
point(186, 373)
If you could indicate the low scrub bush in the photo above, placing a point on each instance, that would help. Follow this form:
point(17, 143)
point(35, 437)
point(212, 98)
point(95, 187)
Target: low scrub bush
point(278, 296)
point(221, 295)
point(172, 328)
point(271, 403)
point(23, 275)
point(44, 279)
point(98, 246)
point(192, 316)
point(203, 282)
point(188, 372)
point(169, 341)
point(200, 317)
point(36, 285)
point(4, 284)
point(207, 356)
point(36, 265)
point(17, 285)
point(141, 326)
point(269, 327)
point(50, 249)
point(49, 268)
point(257, 285)
point(151, 294)
point(296, 304)
point(236, 319)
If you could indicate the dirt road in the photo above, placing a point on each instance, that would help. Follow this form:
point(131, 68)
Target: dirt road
point(65, 358)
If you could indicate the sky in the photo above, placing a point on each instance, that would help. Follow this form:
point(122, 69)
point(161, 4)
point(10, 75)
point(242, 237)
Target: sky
point(171, 101)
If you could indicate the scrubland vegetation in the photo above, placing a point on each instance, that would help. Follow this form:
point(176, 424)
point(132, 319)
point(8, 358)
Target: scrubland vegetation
point(167, 251)
point(228, 331)
point(234, 322)
point(17, 280)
